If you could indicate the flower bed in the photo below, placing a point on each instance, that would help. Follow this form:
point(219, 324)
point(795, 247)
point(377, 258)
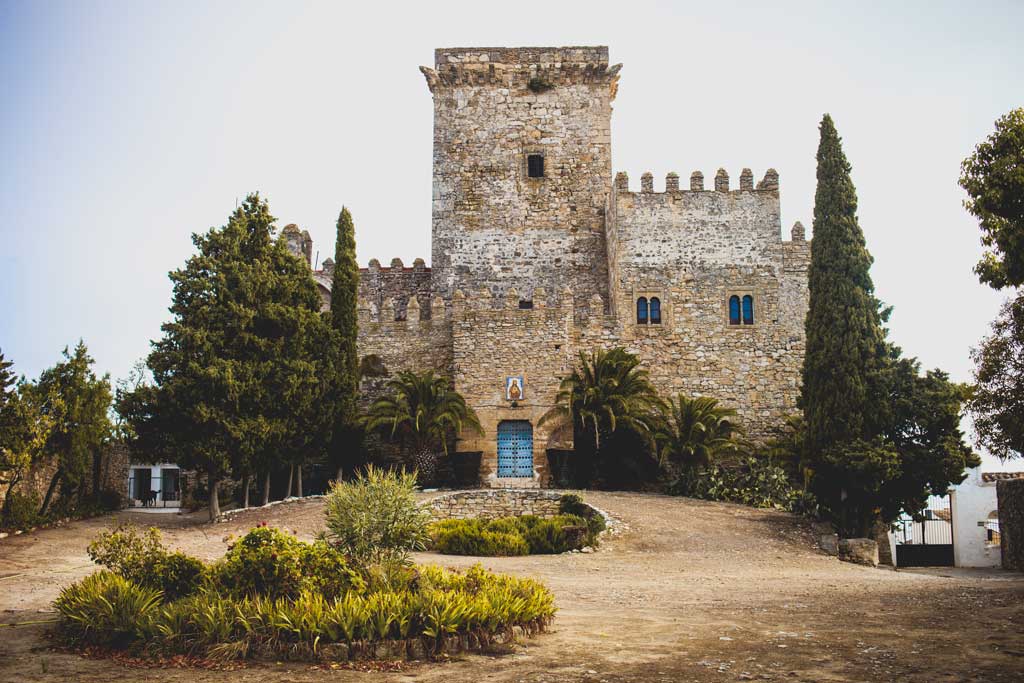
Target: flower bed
point(275, 596)
point(576, 527)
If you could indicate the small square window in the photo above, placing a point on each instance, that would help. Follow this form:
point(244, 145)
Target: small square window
point(535, 165)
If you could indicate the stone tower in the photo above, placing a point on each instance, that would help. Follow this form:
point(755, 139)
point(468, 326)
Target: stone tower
point(522, 169)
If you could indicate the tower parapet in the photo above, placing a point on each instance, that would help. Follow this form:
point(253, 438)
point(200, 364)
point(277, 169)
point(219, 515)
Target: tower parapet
point(534, 68)
point(522, 167)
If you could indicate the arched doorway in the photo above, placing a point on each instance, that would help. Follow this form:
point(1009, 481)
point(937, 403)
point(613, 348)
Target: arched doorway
point(515, 448)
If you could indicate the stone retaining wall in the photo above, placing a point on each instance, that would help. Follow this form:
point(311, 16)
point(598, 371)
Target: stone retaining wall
point(494, 503)
point(1010, 494)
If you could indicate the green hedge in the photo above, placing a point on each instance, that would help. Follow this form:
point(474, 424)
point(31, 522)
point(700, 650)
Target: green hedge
point(273, 595)
point(523, 535)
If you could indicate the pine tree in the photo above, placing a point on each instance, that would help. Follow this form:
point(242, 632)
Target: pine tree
point(344, 319)
point(238, 374)
point(845, 341)
point(78, 403)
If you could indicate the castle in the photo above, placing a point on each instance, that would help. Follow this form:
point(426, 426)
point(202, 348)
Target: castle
point(538, 254)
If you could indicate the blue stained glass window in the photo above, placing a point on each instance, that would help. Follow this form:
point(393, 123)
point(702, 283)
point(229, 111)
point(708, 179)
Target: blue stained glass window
point(734, 310)
point(748, 310)
point(641, 311)
point(655, 310)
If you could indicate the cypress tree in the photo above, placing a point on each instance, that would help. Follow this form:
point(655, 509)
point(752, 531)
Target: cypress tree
point(845, 340)
point(344, 318)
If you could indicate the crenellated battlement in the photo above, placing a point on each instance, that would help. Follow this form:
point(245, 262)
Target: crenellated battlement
point(769, 183)
point(534, 68)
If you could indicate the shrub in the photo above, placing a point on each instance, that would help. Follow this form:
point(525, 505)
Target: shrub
point(269, 562)
point(21, 511)
point(178, 575)
point(127, 552)
point(572, 504)
point(327, 572)
point(547, 536)
point(107, 609)
point(753, 482)
point(471, 537)
point(142, 559)
point(507, 536)
point(111, 610)
point(265, 561)
point(375, 518)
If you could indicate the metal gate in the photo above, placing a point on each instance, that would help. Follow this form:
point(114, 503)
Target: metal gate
point(515, 448)
point(928, 543)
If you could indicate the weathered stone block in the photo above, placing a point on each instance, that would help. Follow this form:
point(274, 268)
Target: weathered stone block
point(334, 652)
point(859, 551)
point(829, 543)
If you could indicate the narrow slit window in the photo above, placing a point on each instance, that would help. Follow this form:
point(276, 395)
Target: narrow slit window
point(641, 311)
point(525, 304)
point(748, 310)
point(655, 310)
point(535, 165)
point(734, 310)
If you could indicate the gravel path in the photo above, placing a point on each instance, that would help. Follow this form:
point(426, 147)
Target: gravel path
point(685, 591)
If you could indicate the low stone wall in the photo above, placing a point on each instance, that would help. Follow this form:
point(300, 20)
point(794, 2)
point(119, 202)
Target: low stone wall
point(1010, 494)
point(494, 503)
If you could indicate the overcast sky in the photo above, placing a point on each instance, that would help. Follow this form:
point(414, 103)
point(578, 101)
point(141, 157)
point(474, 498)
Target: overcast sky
point(125, 127)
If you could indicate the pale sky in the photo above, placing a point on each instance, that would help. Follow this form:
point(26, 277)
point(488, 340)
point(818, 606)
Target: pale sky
point(125, 127)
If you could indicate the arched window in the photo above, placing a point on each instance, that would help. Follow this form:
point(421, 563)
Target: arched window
point(641, 311)
point(734, 310)
point(655, 310)
point(748, 310)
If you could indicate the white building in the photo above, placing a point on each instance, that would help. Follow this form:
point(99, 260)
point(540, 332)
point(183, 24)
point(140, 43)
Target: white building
point(157, 487)
point(976, 518)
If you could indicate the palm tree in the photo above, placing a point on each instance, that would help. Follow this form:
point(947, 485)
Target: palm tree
point(696, 431)
point(609, 391)
point(423, 410)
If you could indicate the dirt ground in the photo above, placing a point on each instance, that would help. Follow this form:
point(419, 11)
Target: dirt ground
point(686, 591)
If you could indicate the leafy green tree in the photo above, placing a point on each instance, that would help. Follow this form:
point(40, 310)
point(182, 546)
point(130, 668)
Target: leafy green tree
point(696, 431)
point(24, 430)
point(77, 403)
point(924, 429)
point(845, 341)
point(422, 410)
point(608, 391)
point(239, 368)
point(348, 436)
point(879, 437)
point(997, 402)
point(993, 176)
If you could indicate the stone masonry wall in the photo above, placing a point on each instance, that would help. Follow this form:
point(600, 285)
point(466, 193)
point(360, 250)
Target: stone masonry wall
point(1010, 495)
point(494, 339)
point(421, 341)
point(493, 226)
point(495, 503)
point(35, 481)
point(397, 283)
point(693, 249)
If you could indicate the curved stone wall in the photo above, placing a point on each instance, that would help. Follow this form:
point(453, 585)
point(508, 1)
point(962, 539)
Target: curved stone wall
point(493, 503)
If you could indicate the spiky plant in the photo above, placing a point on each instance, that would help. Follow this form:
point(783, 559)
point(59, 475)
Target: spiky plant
point(696, 431)
point(608, 391)
point(425, 411)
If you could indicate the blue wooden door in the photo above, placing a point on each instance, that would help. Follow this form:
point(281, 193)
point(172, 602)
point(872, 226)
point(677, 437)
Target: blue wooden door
point(515, 449)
